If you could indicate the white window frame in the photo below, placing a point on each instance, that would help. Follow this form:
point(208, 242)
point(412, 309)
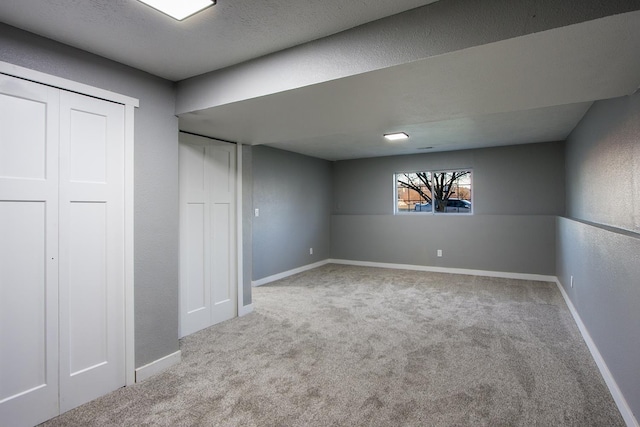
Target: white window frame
point(432, 172)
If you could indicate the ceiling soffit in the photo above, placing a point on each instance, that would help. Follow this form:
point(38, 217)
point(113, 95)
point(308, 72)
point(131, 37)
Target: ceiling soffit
point(512, 90)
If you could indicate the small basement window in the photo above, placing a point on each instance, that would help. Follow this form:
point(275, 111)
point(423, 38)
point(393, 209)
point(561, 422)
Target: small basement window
point(437, 192)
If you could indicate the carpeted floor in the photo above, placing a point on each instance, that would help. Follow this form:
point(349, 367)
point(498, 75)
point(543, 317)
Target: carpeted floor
point(350, 346)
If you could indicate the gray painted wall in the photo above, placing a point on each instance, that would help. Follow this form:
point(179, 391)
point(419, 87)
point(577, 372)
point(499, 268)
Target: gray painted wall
point(156, 177)
point(517, 191)
point(247, 223)
point(502, 243)
point(293, 193)
point(603, 165)
point(599, 241)
point(515, 180)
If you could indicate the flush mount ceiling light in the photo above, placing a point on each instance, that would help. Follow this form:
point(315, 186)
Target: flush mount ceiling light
point(179, 9)
point(396, 136)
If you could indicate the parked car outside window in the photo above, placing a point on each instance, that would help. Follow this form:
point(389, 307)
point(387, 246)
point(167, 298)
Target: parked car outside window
point(422, 207)
point(452, 206)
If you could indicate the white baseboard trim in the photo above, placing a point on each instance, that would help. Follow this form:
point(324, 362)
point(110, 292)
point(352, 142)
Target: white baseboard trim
point(157, 366)
point(618, 397)
point(244, 310)
point(486, 273)
point(284, 274)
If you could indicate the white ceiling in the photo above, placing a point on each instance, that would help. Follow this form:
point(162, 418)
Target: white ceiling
point(228, 33)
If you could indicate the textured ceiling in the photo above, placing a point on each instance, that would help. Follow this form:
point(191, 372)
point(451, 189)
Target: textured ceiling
point(498, 91)
point(527, 89)
point(231, 32)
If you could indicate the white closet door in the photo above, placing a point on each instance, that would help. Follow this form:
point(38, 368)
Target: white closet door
point(224, 290)
point(92, 329)
point(195, 203)
point(28, 252)
point(208, 290)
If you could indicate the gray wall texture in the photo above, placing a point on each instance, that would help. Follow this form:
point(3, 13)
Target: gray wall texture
point(515, 180)
point(156, 177)
point(247, 222)
point(598, 242)
point(501, 243)
point(603, 165)
point(517, 191)
point(293, 194)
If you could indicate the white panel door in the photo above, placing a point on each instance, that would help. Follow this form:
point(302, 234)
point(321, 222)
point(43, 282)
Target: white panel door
point(208, 289)
point(28, 252)
point(195, 269)
point(92, 329)
point(224, 290)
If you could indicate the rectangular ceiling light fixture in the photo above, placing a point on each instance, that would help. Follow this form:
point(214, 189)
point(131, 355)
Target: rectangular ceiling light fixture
point(179, 9)
point(396, 136)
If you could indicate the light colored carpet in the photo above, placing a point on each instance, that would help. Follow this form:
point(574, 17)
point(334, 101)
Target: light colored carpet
point(349, 346)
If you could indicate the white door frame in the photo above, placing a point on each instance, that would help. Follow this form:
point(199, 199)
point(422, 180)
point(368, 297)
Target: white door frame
point(243, 309)
point(129, 104)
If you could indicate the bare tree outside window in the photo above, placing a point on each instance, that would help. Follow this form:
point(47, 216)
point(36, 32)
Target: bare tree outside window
point(413, 189)
point(417, 191)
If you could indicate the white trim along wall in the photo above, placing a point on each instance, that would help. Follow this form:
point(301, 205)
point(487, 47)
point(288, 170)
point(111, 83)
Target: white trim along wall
point(507, 275)
point(157, 366)
point(617, 395)
point(284, 274)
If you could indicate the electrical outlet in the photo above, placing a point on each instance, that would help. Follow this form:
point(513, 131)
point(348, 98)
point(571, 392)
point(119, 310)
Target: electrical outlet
point(257, 211)
point(439, 252)
point(572, 281)
point(310, 251)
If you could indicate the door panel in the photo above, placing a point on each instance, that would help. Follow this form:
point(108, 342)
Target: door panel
point(192, 175)
point(92, 249)
point(23, 147)
point(223, 284)
point(87, 147)
point(223, 249)
point(221, 255)
point(28, 252)
point(87, 286)
point(197, 295)
point(222, 173)
point(23, 301)
point(195, 307)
